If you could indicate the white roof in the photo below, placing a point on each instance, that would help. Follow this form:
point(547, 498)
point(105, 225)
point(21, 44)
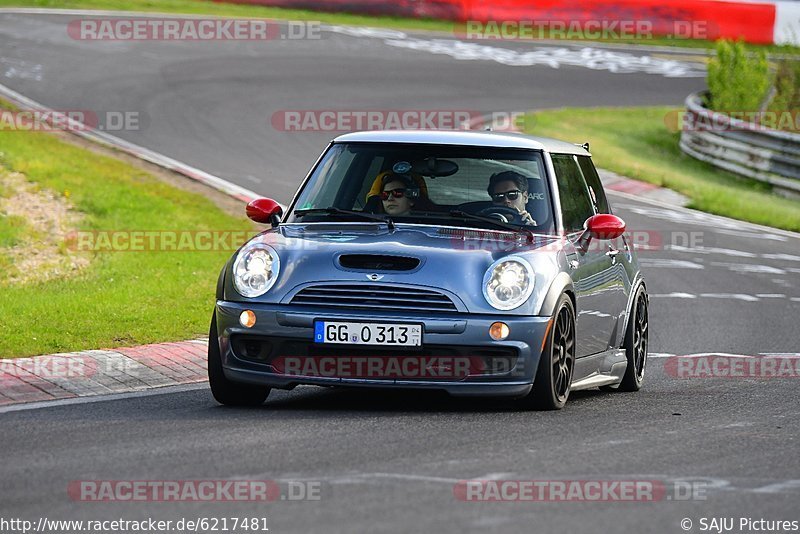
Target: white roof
point(464, 137)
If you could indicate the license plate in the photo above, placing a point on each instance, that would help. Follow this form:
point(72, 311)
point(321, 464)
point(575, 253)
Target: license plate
point(395, 335)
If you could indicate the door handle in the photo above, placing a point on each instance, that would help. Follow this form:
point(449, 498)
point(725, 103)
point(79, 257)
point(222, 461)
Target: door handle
point(612, 253)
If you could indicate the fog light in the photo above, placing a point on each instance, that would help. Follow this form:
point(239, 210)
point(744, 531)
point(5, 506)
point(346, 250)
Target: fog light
point(499, 331)
point(247, 319)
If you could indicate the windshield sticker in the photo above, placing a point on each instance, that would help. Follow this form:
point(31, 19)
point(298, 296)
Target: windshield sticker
point(401, 167)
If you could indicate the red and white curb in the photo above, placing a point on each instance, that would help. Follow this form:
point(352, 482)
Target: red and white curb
point(102, 372)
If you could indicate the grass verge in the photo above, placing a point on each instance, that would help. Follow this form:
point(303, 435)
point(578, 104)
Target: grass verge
point(204, 7)
point(116, 298)
point(635, 142)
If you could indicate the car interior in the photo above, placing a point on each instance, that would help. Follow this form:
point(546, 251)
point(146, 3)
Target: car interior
point(455, 179)
point(441, 201)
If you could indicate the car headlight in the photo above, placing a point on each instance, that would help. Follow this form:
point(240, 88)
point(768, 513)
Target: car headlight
point(508, 283)
point(256, 268)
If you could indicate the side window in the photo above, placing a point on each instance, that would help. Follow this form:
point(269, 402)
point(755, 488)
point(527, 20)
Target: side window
point(372, 172)
point(576, 205)
point(595, 187)
point(333, 167)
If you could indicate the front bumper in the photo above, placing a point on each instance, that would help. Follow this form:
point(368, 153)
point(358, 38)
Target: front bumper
point(253, 355)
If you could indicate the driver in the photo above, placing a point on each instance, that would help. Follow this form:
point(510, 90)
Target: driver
point(510, 189)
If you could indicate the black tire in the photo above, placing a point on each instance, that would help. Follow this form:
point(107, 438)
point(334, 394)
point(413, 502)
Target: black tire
point(556, 366)
point(636, 342)
point(225, 391)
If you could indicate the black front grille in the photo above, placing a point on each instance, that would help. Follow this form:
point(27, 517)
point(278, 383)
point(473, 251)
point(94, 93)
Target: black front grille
point(275, 351)
point(374, 297)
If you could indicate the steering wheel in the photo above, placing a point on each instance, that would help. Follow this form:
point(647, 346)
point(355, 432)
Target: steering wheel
point(502, 213)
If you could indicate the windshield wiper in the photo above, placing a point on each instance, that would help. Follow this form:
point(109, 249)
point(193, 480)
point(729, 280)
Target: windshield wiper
point(336, 211)
point(500, 224)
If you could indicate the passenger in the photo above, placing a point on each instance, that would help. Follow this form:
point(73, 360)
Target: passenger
point(397, 194)
point(510, 189)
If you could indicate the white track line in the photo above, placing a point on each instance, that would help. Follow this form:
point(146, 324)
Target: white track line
point(166, 390)
point(660, 204)
point(140, 152)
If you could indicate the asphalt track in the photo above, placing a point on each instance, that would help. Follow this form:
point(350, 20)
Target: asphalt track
point(210, 104)
point(388, 462)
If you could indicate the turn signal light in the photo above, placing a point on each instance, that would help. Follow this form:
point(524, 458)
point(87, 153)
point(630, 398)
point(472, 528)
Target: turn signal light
point(499, 331)
point(247, 319)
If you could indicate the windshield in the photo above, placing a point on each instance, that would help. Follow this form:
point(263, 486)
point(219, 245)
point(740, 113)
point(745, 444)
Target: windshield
point(429, 184)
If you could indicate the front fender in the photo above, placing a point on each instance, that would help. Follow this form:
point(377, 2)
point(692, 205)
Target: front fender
point(221, 282)
point(638, 281)
point(560, 285)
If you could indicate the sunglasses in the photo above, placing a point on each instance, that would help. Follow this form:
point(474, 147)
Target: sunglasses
point(510, 195)
point(396, 193)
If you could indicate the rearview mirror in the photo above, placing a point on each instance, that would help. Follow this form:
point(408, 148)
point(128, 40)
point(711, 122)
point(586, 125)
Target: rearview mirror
point(435, 168)
point(265, 211)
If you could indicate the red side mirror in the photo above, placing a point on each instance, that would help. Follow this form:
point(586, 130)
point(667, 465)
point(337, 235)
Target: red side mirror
point(605, 226)
point(265, 211)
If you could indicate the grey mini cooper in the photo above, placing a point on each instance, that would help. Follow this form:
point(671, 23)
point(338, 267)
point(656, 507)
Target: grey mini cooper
point(478, 263)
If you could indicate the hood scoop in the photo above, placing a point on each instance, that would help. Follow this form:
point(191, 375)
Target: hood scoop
point(378, 262)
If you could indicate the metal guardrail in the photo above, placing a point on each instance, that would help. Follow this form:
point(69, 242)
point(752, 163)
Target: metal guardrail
point(744, 148)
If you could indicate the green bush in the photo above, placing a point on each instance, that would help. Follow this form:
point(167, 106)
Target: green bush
point(787, 87)
point(738, 80)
